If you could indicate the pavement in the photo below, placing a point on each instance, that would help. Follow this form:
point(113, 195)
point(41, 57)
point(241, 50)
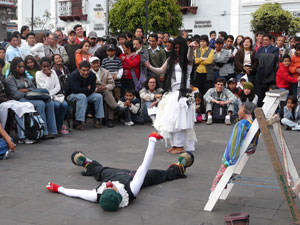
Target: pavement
point(24, 199)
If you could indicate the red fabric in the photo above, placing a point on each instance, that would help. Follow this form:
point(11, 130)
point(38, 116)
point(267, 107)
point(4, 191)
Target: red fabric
point(78, 41)
point(295, 65)
point(52, 187)
point(283, 77)
point(132, 62)
point(218, 177)
point(156, 135)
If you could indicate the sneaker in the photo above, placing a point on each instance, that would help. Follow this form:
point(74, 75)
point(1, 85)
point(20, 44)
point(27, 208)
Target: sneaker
point(78, 125)
point(62, 131)
point(26, 141)
point(227, 120)
point(209, 120)
point(130, 123)
point(64, 127)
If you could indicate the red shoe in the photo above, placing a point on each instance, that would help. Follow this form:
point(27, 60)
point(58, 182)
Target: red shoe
point(156, 135)
point(52, 187)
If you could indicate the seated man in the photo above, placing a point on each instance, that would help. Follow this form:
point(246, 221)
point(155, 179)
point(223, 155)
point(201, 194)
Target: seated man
point(239, 132)
point(221, 98)
point(105, 84)
point(81, 87)
point(120, 186)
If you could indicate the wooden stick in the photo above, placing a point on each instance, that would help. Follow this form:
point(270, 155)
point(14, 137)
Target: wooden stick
point(282, 180)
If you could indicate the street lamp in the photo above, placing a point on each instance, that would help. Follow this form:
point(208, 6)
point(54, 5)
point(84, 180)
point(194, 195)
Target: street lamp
point(32, 15)
point(146, 20)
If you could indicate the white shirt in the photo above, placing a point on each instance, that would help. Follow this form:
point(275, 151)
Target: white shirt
point(50, 83)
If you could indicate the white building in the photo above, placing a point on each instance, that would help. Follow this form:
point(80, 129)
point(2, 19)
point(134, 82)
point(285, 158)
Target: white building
point(231, 16)
point(65, 14)
point(200, 16)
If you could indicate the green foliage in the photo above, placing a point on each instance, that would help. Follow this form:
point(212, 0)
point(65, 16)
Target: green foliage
point(126, 15)
point(271, 18)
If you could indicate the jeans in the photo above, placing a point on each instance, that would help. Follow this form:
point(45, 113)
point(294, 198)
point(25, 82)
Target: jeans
point(20, 123)
point(144, 111)
point(46, 111)
point(291, 124)
point(61, 109)
point(82, 103)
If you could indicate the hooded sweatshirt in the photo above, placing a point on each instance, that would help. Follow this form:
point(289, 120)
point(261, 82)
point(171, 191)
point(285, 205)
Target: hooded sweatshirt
point(283, 78)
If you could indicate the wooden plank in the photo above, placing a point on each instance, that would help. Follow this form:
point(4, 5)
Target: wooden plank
point(291, 166)
point(279, 172)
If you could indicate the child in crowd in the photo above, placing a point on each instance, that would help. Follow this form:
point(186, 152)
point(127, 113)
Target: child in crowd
point(291, 117)
point(6, 144)
point(114, 65)
point(295, 67)
point(213, 36)
point(232, 86)
point(242, 81)
point(248, 94)
point(283, 77)
point(129, 101)
point(200, 108)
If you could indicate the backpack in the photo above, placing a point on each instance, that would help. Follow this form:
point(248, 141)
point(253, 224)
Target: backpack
point(219, 113)
point(34, 126)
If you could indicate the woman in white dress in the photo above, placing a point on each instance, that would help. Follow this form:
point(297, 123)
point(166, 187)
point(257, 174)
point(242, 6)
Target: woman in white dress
point(176, 111)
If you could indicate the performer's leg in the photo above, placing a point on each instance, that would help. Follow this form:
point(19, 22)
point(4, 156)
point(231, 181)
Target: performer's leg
point(177, 140)
point(138, 179)
point(89, 195)
point(175, 171)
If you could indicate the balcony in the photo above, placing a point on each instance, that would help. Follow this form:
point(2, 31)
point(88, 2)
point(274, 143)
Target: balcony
point(8, 3)
point(187, 6)
point(70, 10)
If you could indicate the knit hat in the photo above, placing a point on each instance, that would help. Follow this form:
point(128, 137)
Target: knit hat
point(110, 200)
point(248, 85)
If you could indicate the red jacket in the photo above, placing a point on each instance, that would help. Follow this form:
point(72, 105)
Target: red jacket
point(133, 62)
point(295, 64)
point(283, 78)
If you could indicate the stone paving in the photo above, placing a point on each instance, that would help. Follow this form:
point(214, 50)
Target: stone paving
point(24, 199)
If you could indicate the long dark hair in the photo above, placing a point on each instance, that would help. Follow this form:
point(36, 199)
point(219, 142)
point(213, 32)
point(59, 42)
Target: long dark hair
point(35, 62)
point(183, 62)
point(13, 67)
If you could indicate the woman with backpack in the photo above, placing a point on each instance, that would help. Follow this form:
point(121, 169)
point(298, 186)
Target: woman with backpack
point(131, 67)
point(20, 85)
point(19, 108)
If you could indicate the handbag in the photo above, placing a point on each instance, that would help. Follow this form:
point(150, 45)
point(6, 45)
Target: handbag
point(59, 97)
point(38, 94)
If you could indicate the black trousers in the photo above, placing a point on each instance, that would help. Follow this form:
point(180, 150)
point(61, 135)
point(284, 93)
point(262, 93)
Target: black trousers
point(202, 83)
point(153, 176)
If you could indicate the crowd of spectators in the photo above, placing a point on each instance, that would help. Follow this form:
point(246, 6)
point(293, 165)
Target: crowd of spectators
point(109, 79)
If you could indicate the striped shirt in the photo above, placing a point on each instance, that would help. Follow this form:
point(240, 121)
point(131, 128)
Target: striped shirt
point(112, 64)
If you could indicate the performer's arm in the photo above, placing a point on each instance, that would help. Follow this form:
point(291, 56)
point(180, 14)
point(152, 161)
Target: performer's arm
point(89, 195)
point(138, 179)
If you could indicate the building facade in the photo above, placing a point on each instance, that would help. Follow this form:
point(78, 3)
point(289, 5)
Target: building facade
point(231, 16)
point(199, 16)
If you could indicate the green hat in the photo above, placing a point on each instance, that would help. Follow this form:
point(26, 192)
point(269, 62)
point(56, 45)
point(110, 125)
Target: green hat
point(110, 200)
point(248, 85)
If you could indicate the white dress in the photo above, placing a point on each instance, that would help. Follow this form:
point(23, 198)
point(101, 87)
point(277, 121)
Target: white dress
point(176, 116)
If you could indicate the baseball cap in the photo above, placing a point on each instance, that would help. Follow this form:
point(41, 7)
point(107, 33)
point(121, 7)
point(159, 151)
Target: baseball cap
point(231, 80)
point(71, 31)
point(94, 58)
point(171, 39)
point(92, 34)
point(111, 47)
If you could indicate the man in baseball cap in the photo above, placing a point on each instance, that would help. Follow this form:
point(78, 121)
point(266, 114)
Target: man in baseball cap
point(92, 39)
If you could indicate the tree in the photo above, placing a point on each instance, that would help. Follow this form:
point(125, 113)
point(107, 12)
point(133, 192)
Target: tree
point(41, 23)
point(271, 18)
point(126, 15)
